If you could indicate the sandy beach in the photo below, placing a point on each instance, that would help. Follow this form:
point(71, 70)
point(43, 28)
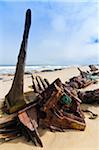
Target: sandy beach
point(68, 140)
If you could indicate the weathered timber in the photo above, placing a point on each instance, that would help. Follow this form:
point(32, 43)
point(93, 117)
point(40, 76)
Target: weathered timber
point(47, 93)
point(8, 127)
point(62, 121)
point(35, 86)
point(30, 97)
point(71, 94)
point(43, 82)
point(28, 117)
point(52, 101)
point(93, 68)
point(8, 120)
point(9, 131)
point(82, 73)
point(80, 81)
point(96, 74)
point(89, 97)
point(61, 108)
point(15, 97)
point(47, 82)
point(8, 137)
point(39, 84)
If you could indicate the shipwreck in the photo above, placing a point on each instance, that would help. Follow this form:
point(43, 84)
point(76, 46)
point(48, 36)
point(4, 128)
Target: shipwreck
point(51, 106)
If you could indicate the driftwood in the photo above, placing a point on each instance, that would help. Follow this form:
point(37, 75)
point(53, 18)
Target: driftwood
point(89, 97)
point(93, 68)
point(15, 97)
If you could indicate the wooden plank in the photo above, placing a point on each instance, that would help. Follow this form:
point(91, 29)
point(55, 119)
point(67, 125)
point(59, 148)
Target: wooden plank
point(25, 120)
point(62, 121)
point(7, 120)
point(52, 101)
point(43, 83)
point(30, 97)
point(41, 88)
point(47, 82)
point(29, 120)
point(35, 87)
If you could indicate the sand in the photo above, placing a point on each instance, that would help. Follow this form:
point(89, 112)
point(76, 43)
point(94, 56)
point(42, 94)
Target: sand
point(68, 140)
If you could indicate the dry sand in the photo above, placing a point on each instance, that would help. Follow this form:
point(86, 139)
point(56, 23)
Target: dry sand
point(68, 140)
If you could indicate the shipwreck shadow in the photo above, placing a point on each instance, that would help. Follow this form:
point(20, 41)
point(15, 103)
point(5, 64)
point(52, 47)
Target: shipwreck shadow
point(87, 106)
point(91, 110)
point(23, 140)
point(42, 131)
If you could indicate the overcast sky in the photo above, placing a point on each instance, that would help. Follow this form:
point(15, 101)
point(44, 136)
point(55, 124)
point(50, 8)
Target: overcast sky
point(62, 32)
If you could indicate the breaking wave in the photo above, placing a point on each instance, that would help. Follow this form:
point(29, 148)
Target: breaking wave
point(11, 69)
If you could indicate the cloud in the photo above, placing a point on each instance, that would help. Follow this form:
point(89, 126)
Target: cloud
point(79, 47)
point(73, 1)
point(94, 40)
point(60, 31)
point(58, 23)
point(78, 26)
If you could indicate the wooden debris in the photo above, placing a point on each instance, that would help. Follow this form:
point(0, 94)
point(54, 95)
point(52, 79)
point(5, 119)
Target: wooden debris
point(47, 82)
point(44, 84)
point(89, 97)
point(81, 81)
point(15, 98)
point(35, 86)
point(60, 114)
point(8, 127)
point(28, 117)
point(93, 68)
point(50, 105)
point(82, 73)
point(55, 107)
point(92, 115)
point(39, 84)
point(7, 120)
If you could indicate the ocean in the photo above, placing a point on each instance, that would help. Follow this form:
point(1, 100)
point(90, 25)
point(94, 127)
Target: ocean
point(11, 69)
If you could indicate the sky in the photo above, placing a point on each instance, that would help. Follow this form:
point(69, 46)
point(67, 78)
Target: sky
point(63, 32)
